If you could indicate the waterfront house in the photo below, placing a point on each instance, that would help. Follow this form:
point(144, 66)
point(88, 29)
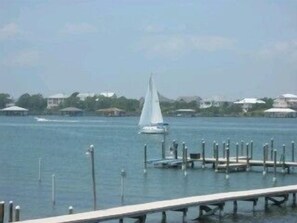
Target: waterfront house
point(248, 103)
point(15, 111)
point(286, 101)
point(55, 100)
point(111, 112)
point(108, 94)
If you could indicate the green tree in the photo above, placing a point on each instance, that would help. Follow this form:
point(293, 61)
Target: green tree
point(4, 99)
point(35, 103)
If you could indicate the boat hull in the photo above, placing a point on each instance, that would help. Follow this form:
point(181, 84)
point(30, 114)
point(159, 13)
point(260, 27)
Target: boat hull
point(153, 130)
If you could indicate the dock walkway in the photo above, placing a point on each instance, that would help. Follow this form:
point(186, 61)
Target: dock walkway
point(204, 201)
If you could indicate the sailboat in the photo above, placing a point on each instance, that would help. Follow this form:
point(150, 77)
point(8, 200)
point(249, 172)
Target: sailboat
point(151, 119)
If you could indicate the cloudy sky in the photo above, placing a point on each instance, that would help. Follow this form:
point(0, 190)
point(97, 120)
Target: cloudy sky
point(228, 49)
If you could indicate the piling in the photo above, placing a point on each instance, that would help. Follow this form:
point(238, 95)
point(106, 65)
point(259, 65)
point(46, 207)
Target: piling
point(175, 146)
point(186, 161)
point(293, 151)
point(183, 156)
point(123, 175)
point(53, 189)
point(203, 154)
point(39, 170)
point(145, 158)
point(10, 215)
point(70, 210)
point(237, 148)
point(264, 160)
point(284, 159)
point(163, 149)
point(2, 210)
point(227, 163)
point(271, 147)
point(252, 149)
point(224, 149)
point(163, 217)
point(241, 150)
point(217, 157)
point(274, 165)
point(228, 143)
point(17, 213)
point(247, 158)
point(214, 149)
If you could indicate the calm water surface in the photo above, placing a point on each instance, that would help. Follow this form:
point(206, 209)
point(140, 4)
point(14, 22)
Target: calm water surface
point(62, 142)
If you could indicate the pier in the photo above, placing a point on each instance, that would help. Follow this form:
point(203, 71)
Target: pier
point(208, 204)
point(242, 160)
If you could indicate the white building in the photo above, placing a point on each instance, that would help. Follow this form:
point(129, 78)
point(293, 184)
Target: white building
point(286, 101)
point(248, 103)
point(55, 100)
point(83, 96)
point(108, 94)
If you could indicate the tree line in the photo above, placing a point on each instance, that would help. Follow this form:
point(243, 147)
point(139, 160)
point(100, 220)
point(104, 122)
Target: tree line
point(37, 105)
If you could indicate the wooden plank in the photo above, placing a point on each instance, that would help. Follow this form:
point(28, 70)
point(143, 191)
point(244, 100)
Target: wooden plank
point(160, 206)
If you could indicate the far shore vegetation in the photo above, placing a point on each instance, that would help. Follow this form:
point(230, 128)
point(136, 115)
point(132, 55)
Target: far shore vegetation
point(37, 105)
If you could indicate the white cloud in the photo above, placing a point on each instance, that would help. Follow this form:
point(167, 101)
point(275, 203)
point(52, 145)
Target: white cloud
point(79, 28)
point(25, 58)
point(9, 30)
point(285, 50)
point(175, 45)
point(153, 29)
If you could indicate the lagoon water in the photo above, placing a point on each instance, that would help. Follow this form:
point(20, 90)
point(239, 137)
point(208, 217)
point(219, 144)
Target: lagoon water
point(62, 142)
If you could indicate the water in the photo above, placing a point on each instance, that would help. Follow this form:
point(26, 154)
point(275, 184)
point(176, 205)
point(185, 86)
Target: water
point(62, 142)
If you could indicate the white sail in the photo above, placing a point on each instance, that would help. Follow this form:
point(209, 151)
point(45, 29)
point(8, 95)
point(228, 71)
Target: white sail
point(151, 112)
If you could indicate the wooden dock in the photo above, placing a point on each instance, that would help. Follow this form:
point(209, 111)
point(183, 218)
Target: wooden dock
point(276, 195)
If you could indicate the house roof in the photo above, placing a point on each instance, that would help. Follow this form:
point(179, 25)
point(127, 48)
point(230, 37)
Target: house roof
point(185, 110)
point(250, 101)
point(289, 96)
point(58, 96)
point(110, 110)
point(280, 110)
point(71, 109)
point(14, 108)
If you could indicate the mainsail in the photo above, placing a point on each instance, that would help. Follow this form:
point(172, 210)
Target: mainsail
point(151, 112)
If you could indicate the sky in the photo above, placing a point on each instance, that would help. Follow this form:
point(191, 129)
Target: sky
point(225, 49)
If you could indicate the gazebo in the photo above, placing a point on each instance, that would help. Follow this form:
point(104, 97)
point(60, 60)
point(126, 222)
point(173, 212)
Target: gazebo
point(15, 111)
point(280, 113)
point(71, 111)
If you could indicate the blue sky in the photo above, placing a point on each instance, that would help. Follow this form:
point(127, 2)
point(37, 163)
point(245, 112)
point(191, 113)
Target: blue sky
point(226, 49)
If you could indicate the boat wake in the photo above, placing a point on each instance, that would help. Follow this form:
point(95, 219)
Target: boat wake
point(38, 119)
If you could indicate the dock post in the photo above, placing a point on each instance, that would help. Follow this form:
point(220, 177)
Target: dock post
point(123, 175)
point(2, 211)
point(183, 156)
point(203, 154)
point(186, 161)
point(217, 157)
point(252, 149)
point(214, 149)
point(294, 200)
point(247, 158)
point(274, 165)
point(39, 170)
point(17, 213)
point(271, 147)
point(241, 150)
point(224, 149)
point(163, 217)
point(284, 159)
point(10, 215)
point(237, 148)
point(235, 207)
point(228, 143)
point(163, 149)
point(70, 210)
point(145, 158)
point(293, 151)
point(227, 163)
point(264, 160)
point(53, 190)
point(175, 146)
